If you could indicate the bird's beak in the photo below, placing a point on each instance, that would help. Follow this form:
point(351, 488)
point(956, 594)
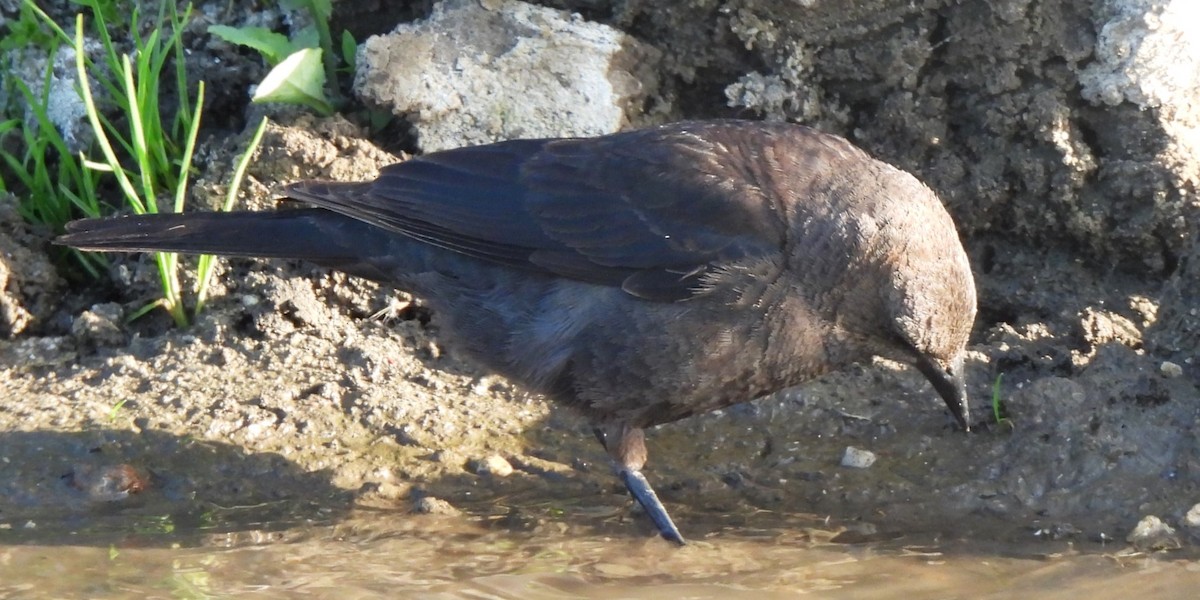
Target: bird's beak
point(950, 383)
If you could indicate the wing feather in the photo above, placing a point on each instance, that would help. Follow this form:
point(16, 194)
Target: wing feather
point(650, 211)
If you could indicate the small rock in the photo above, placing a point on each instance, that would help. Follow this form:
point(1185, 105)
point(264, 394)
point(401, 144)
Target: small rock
point(392, 491)
point(428, 505)
point(447, 457)
point(483, 385)
point(1170, 369)
point(385, 493)
point(100, 326)
point(493, 466)
point(299, 302)
point(1192, 518)
point(107, 483)
point(1151, 534)
point(857, 458)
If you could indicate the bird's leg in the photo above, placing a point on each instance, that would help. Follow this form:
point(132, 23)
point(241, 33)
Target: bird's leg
point(627, 446)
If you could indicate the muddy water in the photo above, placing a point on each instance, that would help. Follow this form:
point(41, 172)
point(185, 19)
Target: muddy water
point(371, 554)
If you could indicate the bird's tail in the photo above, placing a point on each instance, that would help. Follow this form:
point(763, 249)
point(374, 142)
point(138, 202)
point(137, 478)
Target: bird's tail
point(302, 233)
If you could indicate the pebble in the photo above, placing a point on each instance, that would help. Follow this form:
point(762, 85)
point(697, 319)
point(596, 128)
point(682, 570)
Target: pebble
point(857, 458)
point(493, 466)
point(1151, 534)
point(107, 483)
point(1192, 518)
point(392, 491)
point(101, 325)
point(1170, 369)
point(428, 505)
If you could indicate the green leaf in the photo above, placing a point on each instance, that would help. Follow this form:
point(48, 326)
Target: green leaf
point(299, 79)
point(274, 47)
point(349, 50)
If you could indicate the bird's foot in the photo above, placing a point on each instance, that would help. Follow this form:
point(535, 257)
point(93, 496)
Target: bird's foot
point(637, 485)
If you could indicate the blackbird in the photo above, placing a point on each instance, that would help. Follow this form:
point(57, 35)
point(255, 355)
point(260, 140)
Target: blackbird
point(639, 277)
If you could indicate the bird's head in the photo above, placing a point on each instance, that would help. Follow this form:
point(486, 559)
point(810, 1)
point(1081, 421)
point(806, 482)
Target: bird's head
point(876, 251)
point(930, 303)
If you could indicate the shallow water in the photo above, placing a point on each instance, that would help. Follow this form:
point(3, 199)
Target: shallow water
point(369, 554)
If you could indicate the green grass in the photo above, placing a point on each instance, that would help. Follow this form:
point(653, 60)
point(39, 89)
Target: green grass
point(116, 409)
point(154, 155)
point(145, 142)
point(999, 412)
point(52, 183)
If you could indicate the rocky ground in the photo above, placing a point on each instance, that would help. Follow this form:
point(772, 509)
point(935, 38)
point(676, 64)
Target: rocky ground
point(299, 393)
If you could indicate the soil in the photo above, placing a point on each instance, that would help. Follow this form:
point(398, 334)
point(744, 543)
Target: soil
point(301, 393)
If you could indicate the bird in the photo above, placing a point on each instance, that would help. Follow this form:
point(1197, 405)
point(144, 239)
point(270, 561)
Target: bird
point(638, 277)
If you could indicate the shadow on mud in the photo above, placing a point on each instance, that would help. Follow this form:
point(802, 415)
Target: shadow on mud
point(149, 489)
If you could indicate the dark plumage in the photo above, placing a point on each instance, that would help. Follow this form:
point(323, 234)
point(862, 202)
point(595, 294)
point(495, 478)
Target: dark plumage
point(640, 277)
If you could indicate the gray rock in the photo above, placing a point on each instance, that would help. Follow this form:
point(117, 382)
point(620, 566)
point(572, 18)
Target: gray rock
point(1170, 370)
point(1152, 534)
point(857, 458)
point(101, 325)
point(428, 505)
point(1192, 518)
point(1147, 53)
point(478, 72)
point(493, 466)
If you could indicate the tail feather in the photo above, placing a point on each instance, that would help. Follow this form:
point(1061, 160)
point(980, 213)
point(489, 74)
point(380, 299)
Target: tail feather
point(312, 234)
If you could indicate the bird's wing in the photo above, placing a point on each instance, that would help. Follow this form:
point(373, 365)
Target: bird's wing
point(651, 211)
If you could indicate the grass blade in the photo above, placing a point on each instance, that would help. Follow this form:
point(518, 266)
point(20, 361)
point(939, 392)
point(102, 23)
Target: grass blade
point(205, 269)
